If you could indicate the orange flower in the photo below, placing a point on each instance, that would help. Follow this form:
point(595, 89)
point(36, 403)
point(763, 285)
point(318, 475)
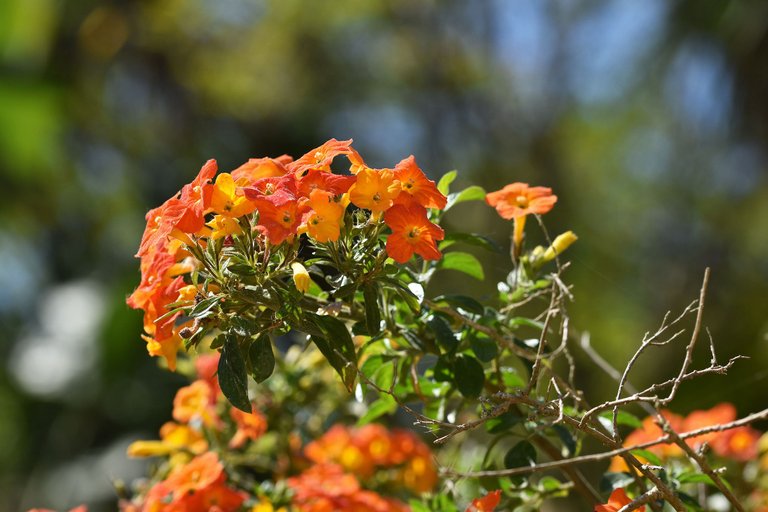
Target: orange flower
point(721, 413)
point(416, 187)
point(193, 403)
point(412, 233)
point(740, 443)
point(650, 431)
point(196, 198)
point(249, 426)
point(225, 199)
point(487, 503)
point(323, 221)
point(518, 200)
point(160, 222)
point(206, 366)
point(326, 488)
point(257, 168)
point(616, 501)
point(201, 472)
point(374, 189)
point(320, 157)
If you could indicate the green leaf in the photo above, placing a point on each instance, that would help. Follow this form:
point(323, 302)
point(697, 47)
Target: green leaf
point(386, 404)
point(462, 262)
point(470, 376)
point(233, 375)
point(379, 370)
point(443, 370)
point(473, 193)
point(337, 347)
point(565, 435)
point(511, 379)
point(484, 347)
point(461, 301)
point(444, 184)
point(261, 358)
point(549, 484)
point(623, 418)
point(647, 455)
point(417, 506)
point(699, 478)
point(520, 455)
point(372, 312)
point(204, 307)
point(443, 333)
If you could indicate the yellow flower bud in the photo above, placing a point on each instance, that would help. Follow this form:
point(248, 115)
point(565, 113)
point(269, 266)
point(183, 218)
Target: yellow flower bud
point(561, 243)
point(300, 277)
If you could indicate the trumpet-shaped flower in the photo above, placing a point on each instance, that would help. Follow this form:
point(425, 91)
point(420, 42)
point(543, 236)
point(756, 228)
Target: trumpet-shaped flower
point(416, 187)
point(374, 189)
point(257, 168)
point(225, 199)
point(616, 501)
point(249, 426)
point(321, 157)
point(315, 179)
point(196, 197)
point(279, 215)
point(487, 503)
point(412, 233)
point(323, 221)
point(518, 200)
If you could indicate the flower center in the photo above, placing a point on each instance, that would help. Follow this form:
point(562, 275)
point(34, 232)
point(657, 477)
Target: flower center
point(521, 201)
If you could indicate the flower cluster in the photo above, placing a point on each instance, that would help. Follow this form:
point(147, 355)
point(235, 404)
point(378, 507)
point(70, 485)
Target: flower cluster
point(740, 443)
point(373, 448)
point(269, 203)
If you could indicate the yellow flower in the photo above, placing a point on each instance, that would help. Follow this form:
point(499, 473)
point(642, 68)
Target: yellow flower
point(300, 277)
point(561, 243)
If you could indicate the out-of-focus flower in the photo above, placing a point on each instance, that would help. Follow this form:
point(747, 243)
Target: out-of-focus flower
point(650, 431)
point(249, 426)
point(616, 501)
point(412, 233)
point(197, 486)
point(174, 437)
point(519, 199)
point(326, 488)
point(487, 503)
point(193, 403)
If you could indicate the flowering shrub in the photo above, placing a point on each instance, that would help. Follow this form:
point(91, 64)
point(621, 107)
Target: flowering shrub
point(286, 277)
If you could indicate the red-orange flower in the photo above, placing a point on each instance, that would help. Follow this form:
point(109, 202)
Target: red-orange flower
point(650, 431)
point(249, 426)
point(335, 184)
point(412, 233)
point(199, 473)
point(416, 187)
point(320, 157)
point(518, 200)
point(738, 443)
point(616, 501)
point(280, 216)
point(487, 503)
point(257, 168)
point(196, 197)
point(326, 488)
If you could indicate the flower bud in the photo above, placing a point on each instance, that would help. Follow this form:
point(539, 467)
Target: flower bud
point(561, 243)
point(300, 277)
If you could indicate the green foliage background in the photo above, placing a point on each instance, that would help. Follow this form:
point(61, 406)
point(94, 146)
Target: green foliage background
point(649, 119)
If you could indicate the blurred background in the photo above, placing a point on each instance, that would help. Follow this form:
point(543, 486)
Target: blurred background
point(649, 119)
